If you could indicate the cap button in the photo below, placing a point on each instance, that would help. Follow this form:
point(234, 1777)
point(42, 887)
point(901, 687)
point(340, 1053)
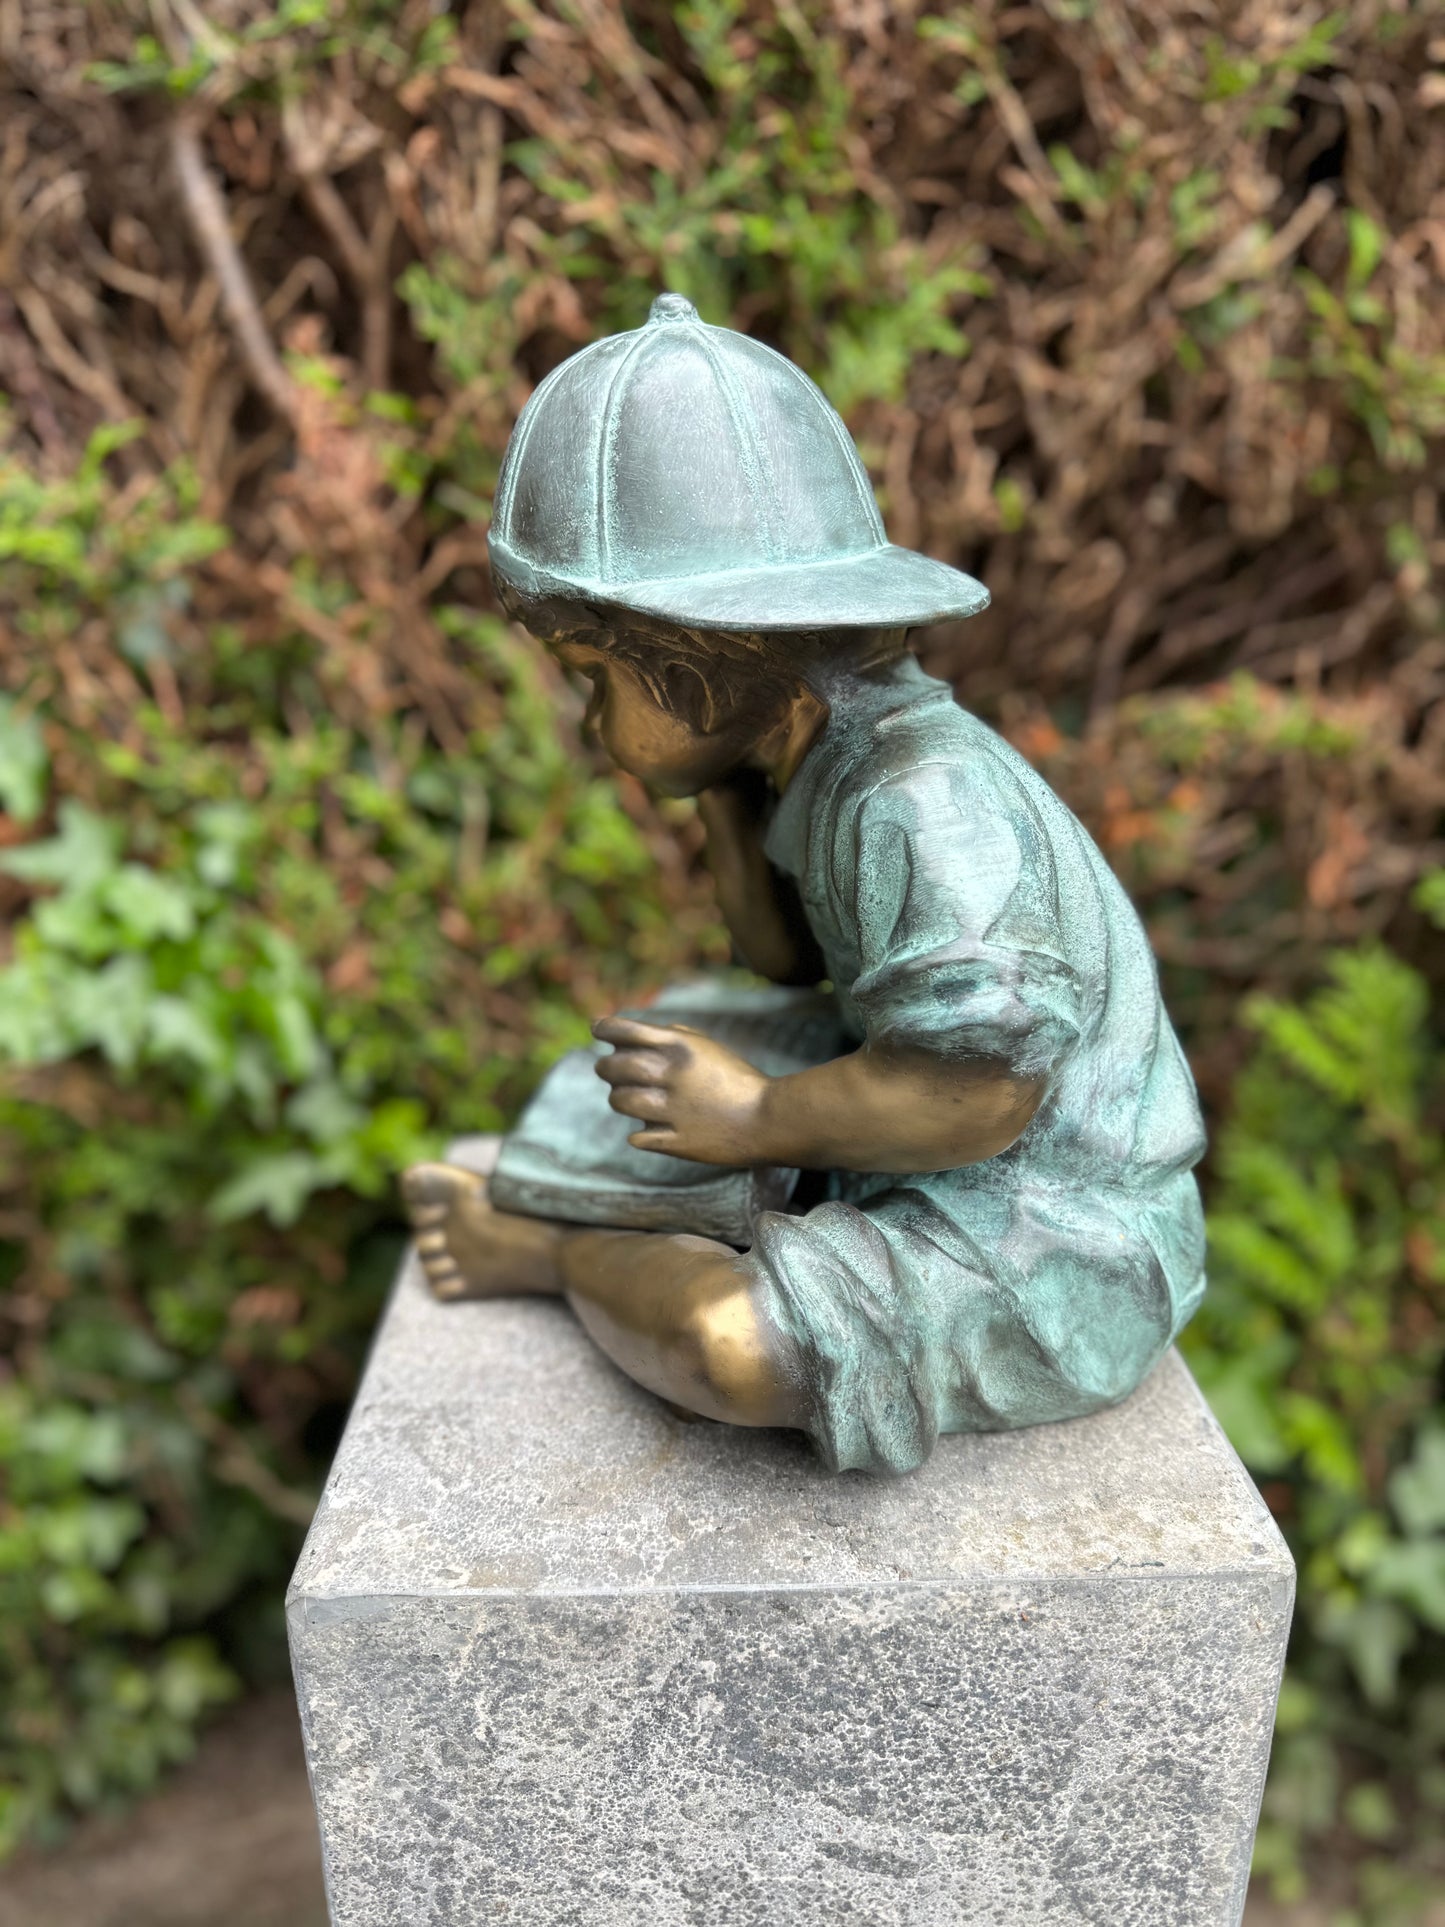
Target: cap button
point(672, 307)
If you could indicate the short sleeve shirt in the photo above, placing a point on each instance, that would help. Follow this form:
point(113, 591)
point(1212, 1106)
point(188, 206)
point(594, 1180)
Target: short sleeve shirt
point(962, 909)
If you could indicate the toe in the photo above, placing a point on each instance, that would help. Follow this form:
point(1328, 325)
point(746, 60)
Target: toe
point(431, 1190)
point(426, 1185)
point(442, 1273)
point(432, 1184)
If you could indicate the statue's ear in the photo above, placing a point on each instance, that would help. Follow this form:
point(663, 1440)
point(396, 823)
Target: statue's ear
point(688, 691)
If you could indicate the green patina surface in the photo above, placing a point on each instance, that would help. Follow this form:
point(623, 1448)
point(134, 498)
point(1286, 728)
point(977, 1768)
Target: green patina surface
point(963, 909)
point(695, 476)
point(689, 472)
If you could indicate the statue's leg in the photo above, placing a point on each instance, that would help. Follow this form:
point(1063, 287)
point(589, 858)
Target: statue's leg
point(681, 1315)
point(684, 1316)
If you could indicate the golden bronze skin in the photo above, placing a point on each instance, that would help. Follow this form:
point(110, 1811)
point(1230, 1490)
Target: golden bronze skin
point(680, 1314)
point(1006, 1230)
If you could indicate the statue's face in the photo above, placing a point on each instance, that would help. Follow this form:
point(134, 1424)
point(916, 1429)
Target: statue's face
point(664, 750)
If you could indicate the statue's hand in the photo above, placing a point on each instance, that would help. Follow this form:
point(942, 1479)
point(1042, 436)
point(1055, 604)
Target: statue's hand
point(734, 811)
point(693, 1097)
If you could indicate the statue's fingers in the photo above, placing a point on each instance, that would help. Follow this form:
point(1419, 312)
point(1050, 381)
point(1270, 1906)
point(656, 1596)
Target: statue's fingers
point(629, 1033)
point(640, 1100)
point(656, 1138)
point(635, 1067)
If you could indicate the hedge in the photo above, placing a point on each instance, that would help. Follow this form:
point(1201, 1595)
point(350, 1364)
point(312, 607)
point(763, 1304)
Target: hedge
point(306, 862)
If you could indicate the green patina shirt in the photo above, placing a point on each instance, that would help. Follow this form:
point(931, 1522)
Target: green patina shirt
point(963, 909)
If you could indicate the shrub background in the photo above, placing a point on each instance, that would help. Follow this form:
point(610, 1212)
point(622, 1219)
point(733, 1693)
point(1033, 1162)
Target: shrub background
point(1137, 313)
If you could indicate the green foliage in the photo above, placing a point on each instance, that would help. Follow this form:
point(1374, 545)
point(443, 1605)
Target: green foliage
point(1202, 727)
point(304, 864)
point(77, 543)
point(1356, 346)
point(1320, 1345)
point(775, 211)
point(263, 962)
point(269, 55)
point(1269, 74)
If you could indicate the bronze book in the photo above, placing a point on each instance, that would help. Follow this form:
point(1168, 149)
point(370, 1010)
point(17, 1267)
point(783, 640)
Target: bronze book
point(569, 1159)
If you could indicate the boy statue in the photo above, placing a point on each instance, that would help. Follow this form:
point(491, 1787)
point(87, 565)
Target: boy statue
point(1004, 1226)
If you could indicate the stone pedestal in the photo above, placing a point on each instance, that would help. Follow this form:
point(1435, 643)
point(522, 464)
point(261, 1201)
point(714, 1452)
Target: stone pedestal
point(563, 1658)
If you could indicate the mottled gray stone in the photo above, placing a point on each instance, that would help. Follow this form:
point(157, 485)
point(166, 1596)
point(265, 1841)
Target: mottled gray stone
point(564, 1658)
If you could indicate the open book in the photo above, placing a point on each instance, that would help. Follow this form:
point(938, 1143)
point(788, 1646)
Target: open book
point(569, 1158)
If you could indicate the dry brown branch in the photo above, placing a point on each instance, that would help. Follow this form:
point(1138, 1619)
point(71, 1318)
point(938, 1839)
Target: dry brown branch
point(1120, 461)
point(367, 259)
point(20, 374)
point(237, 1463)
point(206, 211)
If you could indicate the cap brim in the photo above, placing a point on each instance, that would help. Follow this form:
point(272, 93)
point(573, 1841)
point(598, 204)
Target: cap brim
point(884, 588)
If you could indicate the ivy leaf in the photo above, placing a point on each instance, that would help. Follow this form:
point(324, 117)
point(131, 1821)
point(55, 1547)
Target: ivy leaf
point(1430, 897)
point(1414, 1573)
point(148, 905)
point(1244, 1402)
point(65, 1442)
point(178, 1028)
point(278, 1185)
point(24, 764)
point(1375, 1634)
point(89, 1531)
point(111, 1008)
point(80, 857)
point(1417, 1489)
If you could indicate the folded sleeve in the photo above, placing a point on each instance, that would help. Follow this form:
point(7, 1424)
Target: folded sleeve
point(959, 939)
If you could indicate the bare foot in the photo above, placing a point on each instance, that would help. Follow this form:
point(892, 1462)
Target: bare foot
point(468, 1249)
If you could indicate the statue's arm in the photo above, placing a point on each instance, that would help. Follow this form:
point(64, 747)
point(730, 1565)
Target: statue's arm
point(874, 1110)
point(895, 1111)
point(760, 905)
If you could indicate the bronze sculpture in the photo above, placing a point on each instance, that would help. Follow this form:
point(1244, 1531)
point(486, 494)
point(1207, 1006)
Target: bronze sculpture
point(1003, 1225)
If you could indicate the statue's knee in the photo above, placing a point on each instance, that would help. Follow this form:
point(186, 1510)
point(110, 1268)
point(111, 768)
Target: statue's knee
point(734, 1363)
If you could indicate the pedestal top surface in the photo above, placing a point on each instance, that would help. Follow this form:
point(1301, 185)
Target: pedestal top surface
point(494, 1450)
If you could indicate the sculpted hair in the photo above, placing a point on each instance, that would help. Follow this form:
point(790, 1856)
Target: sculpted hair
point(700, 675)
